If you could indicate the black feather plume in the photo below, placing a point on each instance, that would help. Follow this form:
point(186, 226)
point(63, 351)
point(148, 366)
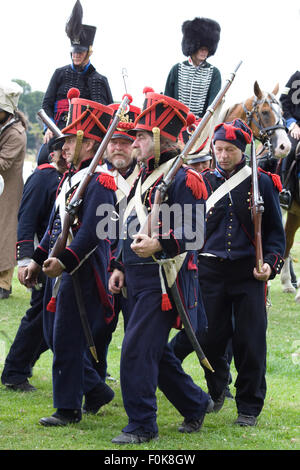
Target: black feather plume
point(73, 26)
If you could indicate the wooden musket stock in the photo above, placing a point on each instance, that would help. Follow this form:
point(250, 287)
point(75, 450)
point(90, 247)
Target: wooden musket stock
point(257, 210)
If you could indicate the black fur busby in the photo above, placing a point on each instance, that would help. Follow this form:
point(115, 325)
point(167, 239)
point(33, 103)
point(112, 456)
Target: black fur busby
point(81, 35)
point(200, 32)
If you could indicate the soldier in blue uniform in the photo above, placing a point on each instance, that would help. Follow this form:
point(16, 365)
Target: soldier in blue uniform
point(87, 255)
point(118, 156)
point(234, 292)
point(146, 360)
point(34, 213)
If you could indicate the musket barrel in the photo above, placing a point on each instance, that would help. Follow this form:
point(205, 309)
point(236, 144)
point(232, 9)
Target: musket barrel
point(49, 123)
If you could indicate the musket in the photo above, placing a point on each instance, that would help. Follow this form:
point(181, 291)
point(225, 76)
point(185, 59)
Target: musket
point(152, 219)
point(72, 209)
point(257, 210)
point(125, 76)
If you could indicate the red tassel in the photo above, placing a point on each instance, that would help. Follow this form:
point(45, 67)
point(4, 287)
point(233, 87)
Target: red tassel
point(230, 132)
point(51, 307)
point(108, 181)
point(165, 303)
point(275, 178)
point(195, 182)
point(277, 181)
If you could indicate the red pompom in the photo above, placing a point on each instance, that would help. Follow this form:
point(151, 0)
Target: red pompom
point(191, 119)
point(165, 303)
point(148, 89)
point(73, 93)
point(195, 182)
point(51, 307)
point(128, 96)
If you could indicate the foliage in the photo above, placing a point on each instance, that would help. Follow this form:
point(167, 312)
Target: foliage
point(29, 103)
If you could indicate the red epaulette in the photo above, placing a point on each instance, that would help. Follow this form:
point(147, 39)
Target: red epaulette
point(108, 181)
point(44, 166)
point(275, 178)
point(195, 182)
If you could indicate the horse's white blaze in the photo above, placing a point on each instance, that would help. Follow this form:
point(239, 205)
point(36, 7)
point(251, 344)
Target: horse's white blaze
point(282, 144)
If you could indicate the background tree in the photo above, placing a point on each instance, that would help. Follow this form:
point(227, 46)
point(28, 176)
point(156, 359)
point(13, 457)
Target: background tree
point(30, 102)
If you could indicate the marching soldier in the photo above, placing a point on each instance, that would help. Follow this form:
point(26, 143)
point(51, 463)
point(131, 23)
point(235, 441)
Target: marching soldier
point(119, 156)
point(87, 257)
point(146, 360)
point(233, 289)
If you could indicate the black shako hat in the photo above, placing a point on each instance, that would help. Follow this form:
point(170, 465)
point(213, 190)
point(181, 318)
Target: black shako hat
point(200, 32)
point(81, 35)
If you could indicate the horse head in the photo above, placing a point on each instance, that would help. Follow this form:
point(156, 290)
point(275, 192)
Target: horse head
point(263, 114)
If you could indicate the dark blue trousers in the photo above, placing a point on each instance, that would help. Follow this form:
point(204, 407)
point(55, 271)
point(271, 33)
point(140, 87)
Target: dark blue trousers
point(73, 374)
point(28, 344)
point(230, 291)
point(147, 361)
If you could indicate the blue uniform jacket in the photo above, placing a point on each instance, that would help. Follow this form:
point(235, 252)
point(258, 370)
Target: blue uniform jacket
point(35, 209)
point(86, 245)
point(187, 195)
point(229, 226)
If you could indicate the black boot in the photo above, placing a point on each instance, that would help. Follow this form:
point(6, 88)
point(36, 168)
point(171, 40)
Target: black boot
point(62, 417)
point(97, 397)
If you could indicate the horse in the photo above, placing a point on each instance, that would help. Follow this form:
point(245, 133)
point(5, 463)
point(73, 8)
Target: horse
point(262, 112)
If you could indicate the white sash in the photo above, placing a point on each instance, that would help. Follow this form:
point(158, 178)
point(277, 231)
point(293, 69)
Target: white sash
point(228, 186)
point(124, 188)
point(161, 170)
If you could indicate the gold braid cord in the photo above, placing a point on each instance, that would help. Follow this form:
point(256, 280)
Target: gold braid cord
point(156, 140)
point(79, 139)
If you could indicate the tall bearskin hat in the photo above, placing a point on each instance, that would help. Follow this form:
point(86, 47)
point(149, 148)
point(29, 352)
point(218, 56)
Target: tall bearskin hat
point(163, 113)
point(235, 132)
point(126, 122)
point(88, 116)
point(200, 32)
point(81, 35)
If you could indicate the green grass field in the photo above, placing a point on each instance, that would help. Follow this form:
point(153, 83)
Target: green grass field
point(278, 426)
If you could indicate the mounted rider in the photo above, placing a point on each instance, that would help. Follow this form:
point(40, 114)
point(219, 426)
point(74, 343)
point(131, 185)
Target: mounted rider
point(291, 165)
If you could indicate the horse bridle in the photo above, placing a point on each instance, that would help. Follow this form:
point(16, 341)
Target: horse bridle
point(265, 133)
